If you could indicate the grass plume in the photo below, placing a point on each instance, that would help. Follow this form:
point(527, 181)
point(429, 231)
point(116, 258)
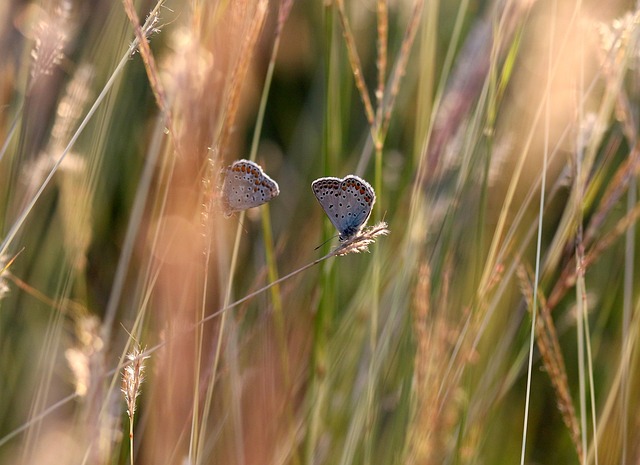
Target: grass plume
point(132, 379)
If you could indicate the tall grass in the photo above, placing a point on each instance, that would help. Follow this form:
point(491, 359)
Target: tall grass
point(496, 323)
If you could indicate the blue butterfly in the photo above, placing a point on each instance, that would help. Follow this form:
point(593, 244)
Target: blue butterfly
point(347, 202)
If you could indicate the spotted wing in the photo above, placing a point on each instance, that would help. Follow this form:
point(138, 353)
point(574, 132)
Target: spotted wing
point(246, 185)
point(347, 202)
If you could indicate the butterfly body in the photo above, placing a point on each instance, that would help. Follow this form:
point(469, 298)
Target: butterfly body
point(245, 186)
point(347, 202)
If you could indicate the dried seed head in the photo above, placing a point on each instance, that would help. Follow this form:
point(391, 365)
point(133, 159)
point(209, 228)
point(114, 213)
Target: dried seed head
point(361, 241)
point(132, 378)
point(149, 28)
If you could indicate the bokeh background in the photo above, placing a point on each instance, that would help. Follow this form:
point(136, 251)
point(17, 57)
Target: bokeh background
point(496, 323)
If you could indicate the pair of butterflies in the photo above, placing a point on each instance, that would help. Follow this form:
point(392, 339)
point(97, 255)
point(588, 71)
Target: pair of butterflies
point(347, 202)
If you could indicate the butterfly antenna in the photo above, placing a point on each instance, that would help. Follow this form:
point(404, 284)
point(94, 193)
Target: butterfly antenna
point(233, 215)
point(331, 238)
point(246, 231)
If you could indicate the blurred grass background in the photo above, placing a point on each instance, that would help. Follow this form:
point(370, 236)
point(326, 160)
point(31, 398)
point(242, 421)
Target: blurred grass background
point(501, 140)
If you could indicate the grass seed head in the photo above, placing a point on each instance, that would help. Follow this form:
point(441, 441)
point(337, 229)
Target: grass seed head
point(361, 241)
point(132, 378)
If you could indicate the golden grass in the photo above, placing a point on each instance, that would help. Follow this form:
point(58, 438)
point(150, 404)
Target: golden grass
point(496, 321)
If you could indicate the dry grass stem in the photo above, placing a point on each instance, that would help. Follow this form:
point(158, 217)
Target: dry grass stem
point(142, 35)
point(65, 306)
point(357, 244)
point(383, 31)
point(401, 65)
point(356, 66)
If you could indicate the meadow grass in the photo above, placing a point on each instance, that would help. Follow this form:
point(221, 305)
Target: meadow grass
point(492, 317)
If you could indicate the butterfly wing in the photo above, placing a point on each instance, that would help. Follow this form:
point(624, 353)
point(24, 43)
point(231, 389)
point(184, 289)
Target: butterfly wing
point(327, 192)
point(246, 185)
point(360, 198)
point(347, 202)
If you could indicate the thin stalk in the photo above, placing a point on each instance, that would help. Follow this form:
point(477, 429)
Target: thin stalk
point(373, 326)
point(131, 441)
point(534, 308)
point(330, 144)
point(581, 291)
point(626, 319)
point(534, 313)
point(581, 317)
point(383, 26)
point(592, 385)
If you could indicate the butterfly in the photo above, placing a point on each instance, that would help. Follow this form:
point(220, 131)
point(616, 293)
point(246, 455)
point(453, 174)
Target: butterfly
point(245, 186)
point(347, 202)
